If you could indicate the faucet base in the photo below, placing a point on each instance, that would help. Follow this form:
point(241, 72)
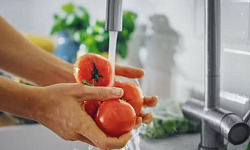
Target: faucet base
point(204, 148)
point(211, 139)
point(217, 124)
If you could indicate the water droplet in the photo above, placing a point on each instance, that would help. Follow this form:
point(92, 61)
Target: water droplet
point(90, 147)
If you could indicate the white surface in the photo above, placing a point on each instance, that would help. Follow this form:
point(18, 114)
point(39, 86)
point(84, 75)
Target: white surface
point(37, 137)
point(34, 137)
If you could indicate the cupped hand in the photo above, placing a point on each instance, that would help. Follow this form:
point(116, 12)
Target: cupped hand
point(148, 101)
point(58, 107)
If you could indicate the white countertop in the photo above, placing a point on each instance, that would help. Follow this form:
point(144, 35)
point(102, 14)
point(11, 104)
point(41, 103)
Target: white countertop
point(38, 137)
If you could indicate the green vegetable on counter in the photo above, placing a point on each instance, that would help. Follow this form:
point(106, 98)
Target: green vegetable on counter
point(248, 146)
point(165, 128)
point(168, 120)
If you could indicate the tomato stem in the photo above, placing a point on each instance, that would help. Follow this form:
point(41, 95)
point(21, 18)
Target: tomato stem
point(86, 83)
point(95, 74)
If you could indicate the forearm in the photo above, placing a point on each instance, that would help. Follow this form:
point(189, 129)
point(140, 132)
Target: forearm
point(16, 98)
point(20, 57)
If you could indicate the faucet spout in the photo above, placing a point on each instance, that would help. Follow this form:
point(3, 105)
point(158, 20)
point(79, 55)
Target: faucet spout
point(114, 15)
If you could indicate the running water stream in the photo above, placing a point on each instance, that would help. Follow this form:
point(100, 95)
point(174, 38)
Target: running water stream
point(112, 53)
point(133, 143)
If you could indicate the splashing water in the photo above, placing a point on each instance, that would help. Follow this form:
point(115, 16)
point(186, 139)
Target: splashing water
point(133, 143)
point(112, 52)
point(90, 147)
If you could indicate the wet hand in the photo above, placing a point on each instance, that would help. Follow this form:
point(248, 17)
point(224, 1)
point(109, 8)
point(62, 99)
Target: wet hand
point(58, 107)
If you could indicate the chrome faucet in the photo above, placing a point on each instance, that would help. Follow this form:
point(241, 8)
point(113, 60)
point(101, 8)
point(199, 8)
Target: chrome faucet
point(114, 15)
point(217, 124)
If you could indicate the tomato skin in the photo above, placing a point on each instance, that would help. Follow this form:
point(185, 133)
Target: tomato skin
point(115, 117)
point(91, 107)
point(84, 67)
point(132, 95)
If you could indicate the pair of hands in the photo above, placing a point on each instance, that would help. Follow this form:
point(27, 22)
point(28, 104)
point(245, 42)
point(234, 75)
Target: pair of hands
point(58, 107)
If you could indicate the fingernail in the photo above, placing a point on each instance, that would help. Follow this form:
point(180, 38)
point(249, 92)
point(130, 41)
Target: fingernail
point(117, 91)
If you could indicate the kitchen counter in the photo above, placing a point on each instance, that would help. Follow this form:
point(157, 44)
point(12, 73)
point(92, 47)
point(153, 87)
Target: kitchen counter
point(38, 137)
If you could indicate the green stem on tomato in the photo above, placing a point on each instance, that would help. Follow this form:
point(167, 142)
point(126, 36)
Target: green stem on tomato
point(86, 83)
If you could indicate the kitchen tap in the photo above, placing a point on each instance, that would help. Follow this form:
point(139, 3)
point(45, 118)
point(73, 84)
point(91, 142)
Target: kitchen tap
point(113, 15)
point(217, 124)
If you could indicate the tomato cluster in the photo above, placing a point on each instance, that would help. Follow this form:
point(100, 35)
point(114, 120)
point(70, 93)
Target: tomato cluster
point(114, 117)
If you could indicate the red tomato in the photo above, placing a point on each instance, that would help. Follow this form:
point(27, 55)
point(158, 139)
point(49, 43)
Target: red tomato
point(132, 95)
point(115, 117)
point(93, 68)
point(91, 107)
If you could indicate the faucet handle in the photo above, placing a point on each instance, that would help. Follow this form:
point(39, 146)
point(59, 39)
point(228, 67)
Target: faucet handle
point(234, 129)
point(246, 117)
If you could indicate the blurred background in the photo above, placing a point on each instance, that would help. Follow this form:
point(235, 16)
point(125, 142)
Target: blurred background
point(185, 17)
point(164, 37)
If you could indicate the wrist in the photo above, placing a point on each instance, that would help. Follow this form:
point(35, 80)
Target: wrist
point(62, 74)
point(33, 102)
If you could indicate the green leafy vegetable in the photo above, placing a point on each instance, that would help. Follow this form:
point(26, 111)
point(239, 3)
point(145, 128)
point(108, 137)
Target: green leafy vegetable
point(77, 23)
point(68, 8)
point(100, 39)
point(160, 128)
point(170, 126)
point(71, 20)
point(75, 18)
point(248, 146)
point(168, 121)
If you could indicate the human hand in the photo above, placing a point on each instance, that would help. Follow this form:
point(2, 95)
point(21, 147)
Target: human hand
point(58, 107)
point(94, 135)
